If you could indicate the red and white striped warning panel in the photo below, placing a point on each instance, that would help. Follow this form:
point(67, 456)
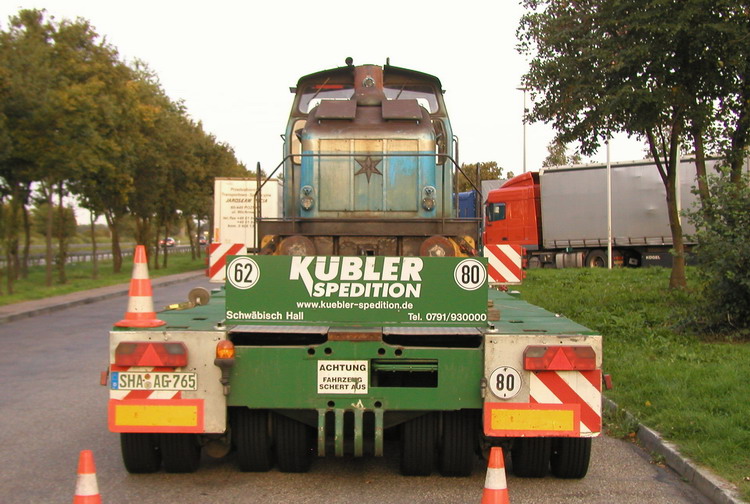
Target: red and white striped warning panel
point(581, 388)
point(561, 403)
point(504, 264)
point(217, 261)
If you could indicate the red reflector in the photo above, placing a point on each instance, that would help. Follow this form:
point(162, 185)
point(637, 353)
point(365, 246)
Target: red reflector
point(130, 353)
point(559, 358)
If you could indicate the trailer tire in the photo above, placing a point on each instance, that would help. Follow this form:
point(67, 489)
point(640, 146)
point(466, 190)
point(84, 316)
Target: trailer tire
point(181, 453)
point(293, 442)
point(418, 440)
point(570, 457)
point(457, 449)
point(250, 429)
point(596, 259)
point(531, 457)
point(140, 452)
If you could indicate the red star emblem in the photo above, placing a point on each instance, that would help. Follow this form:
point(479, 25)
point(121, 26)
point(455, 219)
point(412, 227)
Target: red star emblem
point(368, 167)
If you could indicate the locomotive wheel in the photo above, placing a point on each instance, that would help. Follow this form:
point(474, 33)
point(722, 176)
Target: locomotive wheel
point(181, 452)
point(140, 453)
point(437, 246)
point(418, 437)
point(296, 245)
point(457, 454)
point(252, 439)
point(531, 457)
point(293, 443)
point(570, 457)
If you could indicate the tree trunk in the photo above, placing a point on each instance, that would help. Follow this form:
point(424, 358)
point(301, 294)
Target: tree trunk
point(62, 245)
point(48, 239)
point(24, 266)
point(94, 258)
point(700, 170)
point(113, 223)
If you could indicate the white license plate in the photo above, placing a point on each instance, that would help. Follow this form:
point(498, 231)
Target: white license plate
point(121, 380)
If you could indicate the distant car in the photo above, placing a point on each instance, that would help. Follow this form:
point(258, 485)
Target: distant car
point(169, 242)
point(202, 240)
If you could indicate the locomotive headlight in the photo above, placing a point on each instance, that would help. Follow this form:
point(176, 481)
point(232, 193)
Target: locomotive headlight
point(306, 197)
point(428, 201)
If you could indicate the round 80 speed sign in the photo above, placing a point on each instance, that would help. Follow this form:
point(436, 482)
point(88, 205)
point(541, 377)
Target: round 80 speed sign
point(505, 382)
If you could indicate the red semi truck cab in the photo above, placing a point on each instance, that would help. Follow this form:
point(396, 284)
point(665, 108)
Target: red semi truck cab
point(512, 214)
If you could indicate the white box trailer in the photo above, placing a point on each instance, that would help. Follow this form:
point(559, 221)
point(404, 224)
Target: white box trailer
point(235, 216)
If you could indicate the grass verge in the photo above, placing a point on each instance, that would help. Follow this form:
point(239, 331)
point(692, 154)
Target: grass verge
point(79, 277)
point(694, 392)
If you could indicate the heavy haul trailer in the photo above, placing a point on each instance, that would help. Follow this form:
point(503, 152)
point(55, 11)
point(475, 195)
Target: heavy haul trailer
point(366, 312)
point(224, 377)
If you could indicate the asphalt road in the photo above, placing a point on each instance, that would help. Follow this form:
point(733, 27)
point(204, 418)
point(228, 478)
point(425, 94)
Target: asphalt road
point(52, 407)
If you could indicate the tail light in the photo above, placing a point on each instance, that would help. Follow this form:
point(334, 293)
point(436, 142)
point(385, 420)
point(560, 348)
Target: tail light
point(559, 358)
point(171, 354)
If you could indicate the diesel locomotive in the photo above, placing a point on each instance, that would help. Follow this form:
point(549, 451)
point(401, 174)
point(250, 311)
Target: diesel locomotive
point(369, 168)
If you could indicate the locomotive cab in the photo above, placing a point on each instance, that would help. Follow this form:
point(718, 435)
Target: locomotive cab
point(369, 168)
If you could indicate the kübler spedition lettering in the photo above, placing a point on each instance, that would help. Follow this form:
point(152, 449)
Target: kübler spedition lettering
point(358, 277)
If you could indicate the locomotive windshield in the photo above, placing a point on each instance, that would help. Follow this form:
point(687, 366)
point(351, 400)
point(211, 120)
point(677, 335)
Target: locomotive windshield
point(313, 94)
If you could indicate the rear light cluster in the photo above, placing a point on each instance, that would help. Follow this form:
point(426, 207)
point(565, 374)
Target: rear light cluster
point(559, 358)
point(173, 354)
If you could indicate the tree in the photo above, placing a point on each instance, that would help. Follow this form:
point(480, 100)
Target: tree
point(558, 155)
point(723, 252)
point(473, 174)
point(604, 66)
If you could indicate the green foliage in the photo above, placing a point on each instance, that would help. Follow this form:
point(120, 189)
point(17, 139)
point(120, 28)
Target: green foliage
point(487, 171)
point(723, 255)
point(558, 155)
point(39, 220)
point(75, 119)
point(691, 390)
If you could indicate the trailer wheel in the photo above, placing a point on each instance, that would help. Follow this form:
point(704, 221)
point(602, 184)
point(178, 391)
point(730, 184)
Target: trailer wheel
point(252, 439)
point(531, 457)
point(418, 439)
point(457, 455)
point(570, 457)
point(140, 453)
point(181, 453)
point(596, 259)
point(293, 442)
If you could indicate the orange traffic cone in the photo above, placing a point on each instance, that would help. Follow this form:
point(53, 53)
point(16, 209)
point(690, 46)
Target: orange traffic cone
point(495, 485)
point(140, 303)
point(87, 491)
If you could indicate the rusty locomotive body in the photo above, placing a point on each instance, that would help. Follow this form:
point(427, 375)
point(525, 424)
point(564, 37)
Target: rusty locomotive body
point(369, 168)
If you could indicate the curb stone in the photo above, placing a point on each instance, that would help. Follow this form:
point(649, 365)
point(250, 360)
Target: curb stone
point(16, 311)
point(710, 485)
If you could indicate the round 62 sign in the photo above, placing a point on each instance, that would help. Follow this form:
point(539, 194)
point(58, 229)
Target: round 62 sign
point(243, 272)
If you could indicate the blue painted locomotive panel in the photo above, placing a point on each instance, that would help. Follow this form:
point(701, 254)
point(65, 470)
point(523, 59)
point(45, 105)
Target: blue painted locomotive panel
point(396, 184)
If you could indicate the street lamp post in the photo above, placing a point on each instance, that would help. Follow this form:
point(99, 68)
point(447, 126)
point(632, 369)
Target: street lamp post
point(524, 89)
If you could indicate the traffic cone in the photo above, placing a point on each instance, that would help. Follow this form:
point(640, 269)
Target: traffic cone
point(140, 303)
point(495, 485)
point(87, 491)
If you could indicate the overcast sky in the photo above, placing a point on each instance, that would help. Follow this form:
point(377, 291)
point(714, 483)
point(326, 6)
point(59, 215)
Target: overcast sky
point(232, 62)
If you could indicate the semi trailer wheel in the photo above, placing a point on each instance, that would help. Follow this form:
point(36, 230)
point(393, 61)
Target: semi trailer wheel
point(250, 431)
point(570, 457)
point(180, 453)
point(531, 457)
point(458, 441)
point(418, 440)
point(293, 442)
point(140, 452)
